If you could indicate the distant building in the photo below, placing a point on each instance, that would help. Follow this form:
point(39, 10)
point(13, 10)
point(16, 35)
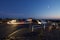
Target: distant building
point(29, 20)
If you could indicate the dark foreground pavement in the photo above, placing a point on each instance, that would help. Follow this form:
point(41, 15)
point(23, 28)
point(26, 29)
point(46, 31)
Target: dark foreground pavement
point(14, 32)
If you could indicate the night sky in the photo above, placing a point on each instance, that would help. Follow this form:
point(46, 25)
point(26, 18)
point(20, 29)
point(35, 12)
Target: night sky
point(30, 8)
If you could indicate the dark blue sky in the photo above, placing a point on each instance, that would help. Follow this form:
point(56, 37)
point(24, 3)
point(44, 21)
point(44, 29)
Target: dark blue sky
point(30, 8)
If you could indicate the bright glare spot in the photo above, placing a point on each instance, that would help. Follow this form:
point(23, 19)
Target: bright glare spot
point(12, 22)
point(38, 22)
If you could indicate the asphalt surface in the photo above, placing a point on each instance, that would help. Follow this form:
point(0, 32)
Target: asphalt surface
point(24, 32)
